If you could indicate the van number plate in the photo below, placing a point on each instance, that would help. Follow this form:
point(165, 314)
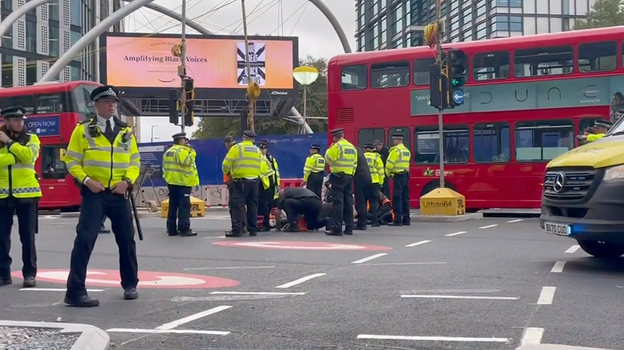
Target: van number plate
point(556, 229)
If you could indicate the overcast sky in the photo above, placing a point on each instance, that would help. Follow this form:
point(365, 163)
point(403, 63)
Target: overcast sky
point(296, 18)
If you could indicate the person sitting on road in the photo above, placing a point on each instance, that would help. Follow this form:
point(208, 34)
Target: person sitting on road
point(385, 214)
point(296, 201)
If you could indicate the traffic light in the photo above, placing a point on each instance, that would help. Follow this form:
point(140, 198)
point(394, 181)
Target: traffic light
point(438, 87)
point(189, 91)
point(457, 63)
point(173, 107)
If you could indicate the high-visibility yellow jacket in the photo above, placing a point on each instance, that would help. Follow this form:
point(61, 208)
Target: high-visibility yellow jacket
point(266, 171)
point(313, 164)
point(18, 177)
point(342, 158)
point(275, 178)
point(398, 160)
point(179, 168)
point(376, 166)
point(243, 161)
point(594, 137)
point(95, 157)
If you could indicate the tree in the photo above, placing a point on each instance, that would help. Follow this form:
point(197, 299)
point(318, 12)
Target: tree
point(219, 127)
point(604, 13)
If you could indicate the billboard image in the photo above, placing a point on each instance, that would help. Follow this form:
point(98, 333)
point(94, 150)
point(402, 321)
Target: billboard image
point(144, 66)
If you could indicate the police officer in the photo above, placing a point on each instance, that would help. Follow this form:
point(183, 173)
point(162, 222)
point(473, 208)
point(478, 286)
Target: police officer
point(276, 180)
point(342, 160)
point(103, 156)
point(376, 166)
point(180, 174)
point(268, 177)
point(19, 193)
point(600, 128)
point(383, 152)
point(313, 170)
point(362, 182)
point(397, 168)
point(243, 161)
point(297, 201)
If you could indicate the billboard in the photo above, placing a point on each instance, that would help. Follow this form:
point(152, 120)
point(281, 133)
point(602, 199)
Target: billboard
point(141, 65)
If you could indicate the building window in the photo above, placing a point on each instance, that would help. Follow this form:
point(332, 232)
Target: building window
point(53, 10)
point(387, 75)
point(421, 71)
point(598, 57)
point(7, 38)
point(354, 77)
point(75, 73)
point(7, 5)
point(74, 37)
point(544, 61)
point(510, 3)
point(481, 31)
point(31, 36)
point(76, 12)
point(31, 72)
point(543, 140)
point(515, 23)
point(490, 66)
point(53, 41)
point(491, 143)
point(7, 70)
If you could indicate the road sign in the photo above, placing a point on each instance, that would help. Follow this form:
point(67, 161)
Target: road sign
point(458, 97)
point(147, 279)
point(291, 245)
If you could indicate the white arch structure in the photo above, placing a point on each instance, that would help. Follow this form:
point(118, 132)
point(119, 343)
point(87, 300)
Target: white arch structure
point(134, 5)
point(17, 14)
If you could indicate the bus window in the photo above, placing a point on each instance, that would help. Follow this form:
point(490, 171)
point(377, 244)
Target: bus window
point(82, 101)
point(543, 140)
point(491, 143)
point(354, 78)
point(37, 104)
point(387, 75)
point(544, 61)
point(369, 135)
point(52, 167)
point(405, 131)
point(421, 71)
point(456, 144)
point(490, 66)
point(597, 57)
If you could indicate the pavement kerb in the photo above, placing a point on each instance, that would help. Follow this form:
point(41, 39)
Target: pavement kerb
point(417, 217)
point(91, 338)
point(555, 347)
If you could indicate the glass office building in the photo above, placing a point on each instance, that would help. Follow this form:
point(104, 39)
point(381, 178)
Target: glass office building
point(386, 24)
point(37, 39)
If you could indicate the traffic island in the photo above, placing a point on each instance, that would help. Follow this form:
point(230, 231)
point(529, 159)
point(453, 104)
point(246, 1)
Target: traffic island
point(444, 205)
point(48, 335)
point(198, 208)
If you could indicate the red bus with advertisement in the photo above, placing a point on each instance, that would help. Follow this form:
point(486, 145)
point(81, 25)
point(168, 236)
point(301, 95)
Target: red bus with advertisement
point(526, 98)
point(53, 111)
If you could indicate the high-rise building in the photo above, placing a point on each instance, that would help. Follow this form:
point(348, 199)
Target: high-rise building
point(387, 24)
point(37, 39)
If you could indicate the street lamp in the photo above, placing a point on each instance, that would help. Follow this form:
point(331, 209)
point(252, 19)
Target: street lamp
point(305, 76)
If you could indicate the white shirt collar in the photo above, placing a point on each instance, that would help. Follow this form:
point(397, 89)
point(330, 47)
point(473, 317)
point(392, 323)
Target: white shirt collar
point(101, 121)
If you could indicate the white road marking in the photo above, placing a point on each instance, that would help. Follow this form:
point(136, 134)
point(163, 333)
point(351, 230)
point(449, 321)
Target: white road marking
point(558, 267)
point(404, 264)
point(256, 293)
point(532, 336)
point(573, 249)
point(446, 339)
point(546, 296)
point(301, 280)
point(455, 234)
point(488, 226)
point(55, 290)
point(512, 221)
point(451, 291)
point(416, 244)
point(197, 316)
point(228, 268)
point(165, 331)
point(361, 261)
point(227, 298)
point(471, 297)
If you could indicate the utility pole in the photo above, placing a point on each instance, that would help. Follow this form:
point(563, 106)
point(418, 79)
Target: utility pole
point(182, 68)
point(253, 89)
point(441, 62)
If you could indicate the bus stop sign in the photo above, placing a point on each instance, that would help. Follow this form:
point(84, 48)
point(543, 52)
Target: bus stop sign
point(458, 97)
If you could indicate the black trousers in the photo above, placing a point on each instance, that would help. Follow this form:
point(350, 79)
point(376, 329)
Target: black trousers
point(265, 204)
point(372, 198)
point(401, 198)
point(309, 207)
point(315, 183)
point(360, 189)
point(26, 218)
point(179, 209)
point(342, 194)
point(244, 193)
point(384, 215)
point(117, 208)
point(385, 188)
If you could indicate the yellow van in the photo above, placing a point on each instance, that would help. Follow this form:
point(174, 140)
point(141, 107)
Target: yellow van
point(583, 195)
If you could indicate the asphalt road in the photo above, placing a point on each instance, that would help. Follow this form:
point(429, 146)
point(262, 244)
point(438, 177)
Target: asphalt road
point(489, 284)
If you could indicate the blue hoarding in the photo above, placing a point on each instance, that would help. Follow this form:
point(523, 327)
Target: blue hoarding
point(44, 126)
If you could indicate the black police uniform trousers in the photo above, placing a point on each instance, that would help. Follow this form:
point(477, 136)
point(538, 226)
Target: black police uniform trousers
point(385, 188)
point(309, 207)
point(315, 183)
point(179, 209)
point(26, 210)
point(342, 200)
point(372, 197)
point(365, 192)
point(401, 198)
point(265, 204)
point(244, 193)
point(117, 208)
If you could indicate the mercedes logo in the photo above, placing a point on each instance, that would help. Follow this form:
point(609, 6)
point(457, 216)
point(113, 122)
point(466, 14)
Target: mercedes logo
point(559, 182)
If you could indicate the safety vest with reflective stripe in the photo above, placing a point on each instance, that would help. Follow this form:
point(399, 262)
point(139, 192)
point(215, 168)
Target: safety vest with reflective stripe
point(18, 177)
point(100, 160)
point(179, 168)
point(266, 172)
point(342, 158)
point(243, 161)
point(398, 160)
point(376, 166)
point(594, 137)
point(313, 164)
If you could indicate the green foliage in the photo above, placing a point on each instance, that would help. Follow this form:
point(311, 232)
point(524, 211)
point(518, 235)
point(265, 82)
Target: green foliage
point(604, 13)
point(219, 127)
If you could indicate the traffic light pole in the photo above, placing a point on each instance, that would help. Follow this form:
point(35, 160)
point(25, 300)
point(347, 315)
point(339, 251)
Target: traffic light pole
point(442, 97)
point(182, 71)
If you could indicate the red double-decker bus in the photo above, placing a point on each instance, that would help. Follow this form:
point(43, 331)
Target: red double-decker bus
point(53, 111)
point(526, 98)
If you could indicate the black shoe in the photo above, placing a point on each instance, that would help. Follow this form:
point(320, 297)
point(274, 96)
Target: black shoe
point(189, 233)
point(376, 225)
point(82, 301)
point(361, 228)
point(253, 233)
point(233, 234)
point(333, 233)
point(6, 281)
point(406, 223)
point(397, 224)
point(104, 230)
point(265, 229)
point(130, 294)
point(348, 232)
point(173, 233)
point(29, 282)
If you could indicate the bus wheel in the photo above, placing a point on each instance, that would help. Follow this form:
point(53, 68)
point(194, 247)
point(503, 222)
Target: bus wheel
point(436, 184)
point(602, 250)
